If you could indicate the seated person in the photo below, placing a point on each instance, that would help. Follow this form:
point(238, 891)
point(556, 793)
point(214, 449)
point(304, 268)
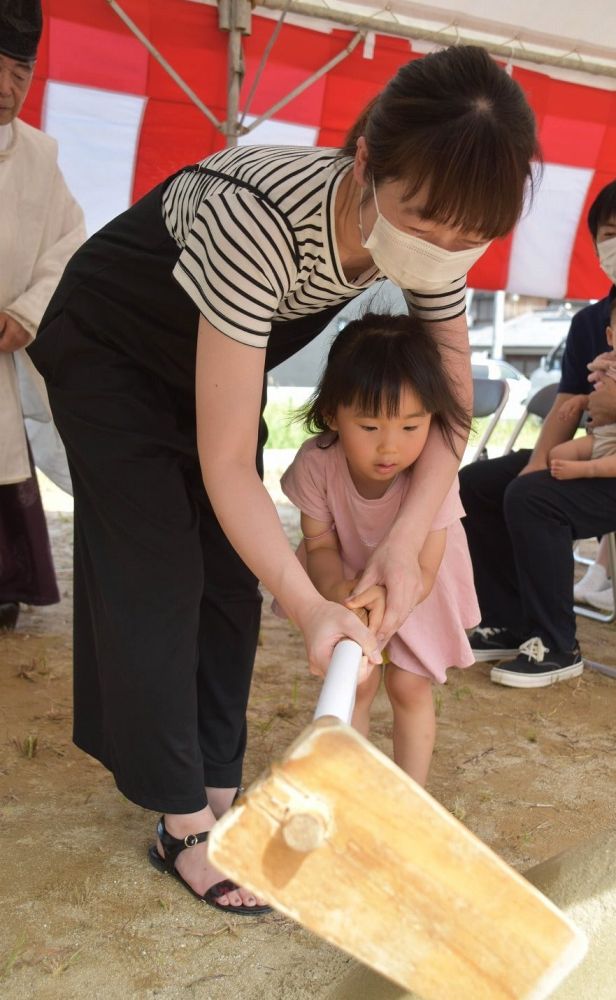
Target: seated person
point(595, 454)
point(521, 521)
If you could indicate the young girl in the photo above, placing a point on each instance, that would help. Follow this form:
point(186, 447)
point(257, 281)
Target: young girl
point(383, 387)
point(593, 455)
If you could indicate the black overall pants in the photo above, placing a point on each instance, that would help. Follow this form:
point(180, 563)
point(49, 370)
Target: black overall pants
point(166, 613)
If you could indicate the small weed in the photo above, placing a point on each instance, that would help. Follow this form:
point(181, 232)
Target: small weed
point(13, 956)
point(458, 809)
point(27, 672)
point(27, 747)
point(438, 702)
point(295, 693)
point(81, 894)
point(531, 737)
point(462, 692)
point(56, 966)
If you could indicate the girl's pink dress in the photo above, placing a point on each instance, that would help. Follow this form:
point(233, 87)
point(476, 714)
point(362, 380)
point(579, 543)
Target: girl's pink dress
point(433, 637)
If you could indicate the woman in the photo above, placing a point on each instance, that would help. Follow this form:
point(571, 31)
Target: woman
point(155, 348)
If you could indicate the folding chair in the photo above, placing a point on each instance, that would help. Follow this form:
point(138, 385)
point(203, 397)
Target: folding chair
point(489, 399)
point(538, 406)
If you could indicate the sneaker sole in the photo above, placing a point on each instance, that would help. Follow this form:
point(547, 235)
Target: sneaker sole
point(510, 679)
point(486, 655)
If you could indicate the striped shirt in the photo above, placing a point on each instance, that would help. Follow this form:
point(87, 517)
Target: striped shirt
point(256, 228)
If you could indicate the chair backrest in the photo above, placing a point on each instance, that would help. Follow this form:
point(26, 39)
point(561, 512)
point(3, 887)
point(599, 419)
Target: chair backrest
point(538, 405)
point(488, 394)
point(489, 398)
point(542, 402)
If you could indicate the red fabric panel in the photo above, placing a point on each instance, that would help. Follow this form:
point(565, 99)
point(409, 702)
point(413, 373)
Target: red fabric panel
point(81, 53)
point(187, 35)
point(492, 269)
point(355, 81)
point(172, 136)
point(571, 141)
point(296, 55)
point(33, 105)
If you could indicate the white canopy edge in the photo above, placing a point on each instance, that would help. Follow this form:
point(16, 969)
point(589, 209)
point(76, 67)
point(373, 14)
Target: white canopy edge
point(573, 54)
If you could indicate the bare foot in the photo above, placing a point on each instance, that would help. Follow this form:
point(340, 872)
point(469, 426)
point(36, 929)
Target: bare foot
point(193, 864)
point(563, 469)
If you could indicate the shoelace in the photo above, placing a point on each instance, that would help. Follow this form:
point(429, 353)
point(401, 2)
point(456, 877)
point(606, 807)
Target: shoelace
point(534, 649)
point(487, 631)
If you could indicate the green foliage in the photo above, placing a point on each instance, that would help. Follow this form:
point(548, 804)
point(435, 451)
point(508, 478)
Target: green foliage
point(284, 431)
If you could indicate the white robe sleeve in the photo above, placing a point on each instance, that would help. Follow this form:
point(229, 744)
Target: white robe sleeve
point(63, 233)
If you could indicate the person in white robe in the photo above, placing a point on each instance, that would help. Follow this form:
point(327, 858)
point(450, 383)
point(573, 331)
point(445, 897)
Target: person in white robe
point(42, 226)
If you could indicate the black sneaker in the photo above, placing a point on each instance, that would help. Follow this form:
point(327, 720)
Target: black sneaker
point(493, 644)
point(536, 667)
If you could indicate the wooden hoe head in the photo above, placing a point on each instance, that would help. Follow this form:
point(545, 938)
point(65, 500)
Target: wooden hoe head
point(341, 840)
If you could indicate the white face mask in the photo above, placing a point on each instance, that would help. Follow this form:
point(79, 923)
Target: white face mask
point(607, 257)
point(411, 262)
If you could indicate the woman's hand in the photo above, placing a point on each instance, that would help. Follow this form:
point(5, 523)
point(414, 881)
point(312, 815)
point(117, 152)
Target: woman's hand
point(324, 625)
point(398, 571)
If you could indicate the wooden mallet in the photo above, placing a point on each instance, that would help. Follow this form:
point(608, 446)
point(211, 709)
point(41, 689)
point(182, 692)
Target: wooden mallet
point(337, 837)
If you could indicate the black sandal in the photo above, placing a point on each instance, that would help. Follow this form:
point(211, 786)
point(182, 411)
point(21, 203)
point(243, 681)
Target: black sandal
point(173, 846)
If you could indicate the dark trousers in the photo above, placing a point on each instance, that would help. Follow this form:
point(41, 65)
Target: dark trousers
point(520, 531)
point(166, 613)
point(26, 566)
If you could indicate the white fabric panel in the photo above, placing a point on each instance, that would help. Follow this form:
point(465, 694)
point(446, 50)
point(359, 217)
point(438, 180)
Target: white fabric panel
point(97, 133)
point(543, 240)
point(275, 133)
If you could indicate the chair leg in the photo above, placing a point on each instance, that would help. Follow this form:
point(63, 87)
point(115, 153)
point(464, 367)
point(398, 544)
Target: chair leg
point(601, 668)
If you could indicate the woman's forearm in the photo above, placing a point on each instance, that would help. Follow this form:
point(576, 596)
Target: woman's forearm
point(437, 466)
point(242, 503)
point(433, 474)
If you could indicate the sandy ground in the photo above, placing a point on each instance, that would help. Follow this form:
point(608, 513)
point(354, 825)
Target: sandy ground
point(530, 772)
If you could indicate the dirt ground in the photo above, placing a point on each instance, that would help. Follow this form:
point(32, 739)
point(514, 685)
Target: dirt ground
point(530, 772)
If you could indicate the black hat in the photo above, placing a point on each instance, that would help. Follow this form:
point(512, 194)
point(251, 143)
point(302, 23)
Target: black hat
point(21, 24)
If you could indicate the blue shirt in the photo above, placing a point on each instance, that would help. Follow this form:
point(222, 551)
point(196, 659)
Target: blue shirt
point(585, 340)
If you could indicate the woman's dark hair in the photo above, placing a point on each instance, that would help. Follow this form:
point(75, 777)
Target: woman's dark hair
point(603, 209)
point(457, 123)
point(369, 364)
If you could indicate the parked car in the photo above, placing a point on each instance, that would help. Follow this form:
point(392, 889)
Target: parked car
point(549, 369)
point(519, 385)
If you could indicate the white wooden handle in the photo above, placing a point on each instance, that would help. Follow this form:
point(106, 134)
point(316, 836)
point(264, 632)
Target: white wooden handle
point(338, 692)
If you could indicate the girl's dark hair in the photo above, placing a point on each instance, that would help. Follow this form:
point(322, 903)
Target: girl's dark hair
point(457, 123)
point(603, 209)
point(370, 363)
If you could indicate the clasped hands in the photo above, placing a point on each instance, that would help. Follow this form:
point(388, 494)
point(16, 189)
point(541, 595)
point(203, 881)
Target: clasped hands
point(13, 335)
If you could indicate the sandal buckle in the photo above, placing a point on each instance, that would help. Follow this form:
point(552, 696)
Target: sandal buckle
point(191, 839)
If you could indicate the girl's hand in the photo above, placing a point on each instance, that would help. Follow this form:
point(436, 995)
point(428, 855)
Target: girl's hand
point(369, 606)
point(325, 624)
point(399, 572)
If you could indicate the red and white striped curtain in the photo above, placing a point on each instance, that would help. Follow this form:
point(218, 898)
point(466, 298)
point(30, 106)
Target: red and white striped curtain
point(123, 124)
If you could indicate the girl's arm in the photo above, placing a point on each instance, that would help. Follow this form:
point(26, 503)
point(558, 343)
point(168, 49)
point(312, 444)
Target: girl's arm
point(229, 380)
point(326, 571)
point(323, 561)
point(395, 563)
